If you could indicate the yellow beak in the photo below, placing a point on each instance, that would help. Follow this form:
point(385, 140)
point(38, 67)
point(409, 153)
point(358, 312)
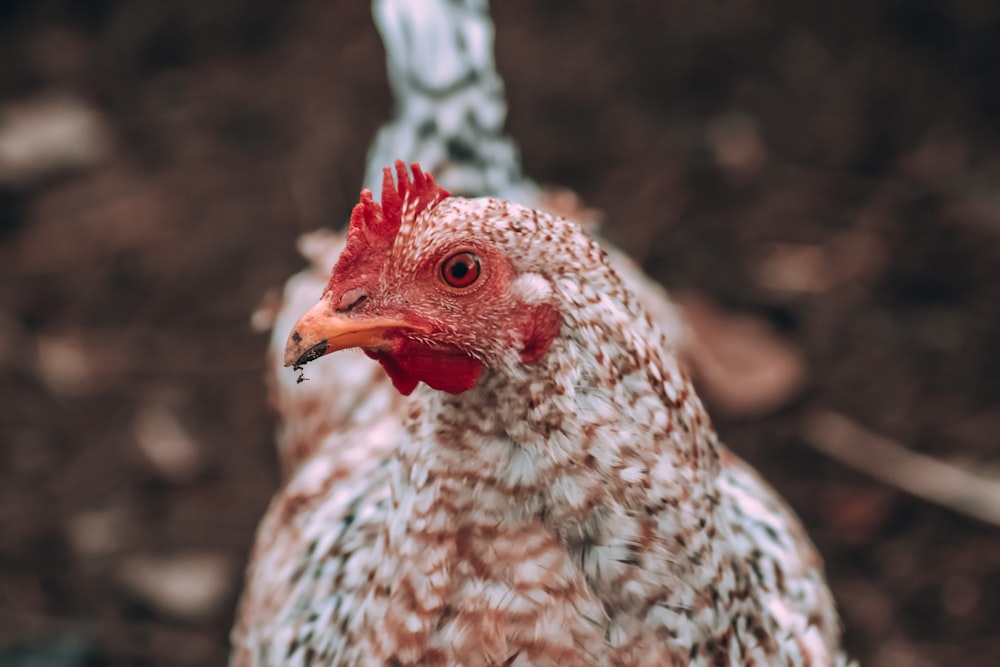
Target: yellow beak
point(322, 331)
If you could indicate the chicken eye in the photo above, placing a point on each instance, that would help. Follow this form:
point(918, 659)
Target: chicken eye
point(461, 270)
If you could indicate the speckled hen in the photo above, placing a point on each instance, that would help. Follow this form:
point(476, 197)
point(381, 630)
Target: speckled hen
point(556, 495)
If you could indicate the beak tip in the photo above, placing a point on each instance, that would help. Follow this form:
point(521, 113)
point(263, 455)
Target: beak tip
point(321, 331)
point(296, 355)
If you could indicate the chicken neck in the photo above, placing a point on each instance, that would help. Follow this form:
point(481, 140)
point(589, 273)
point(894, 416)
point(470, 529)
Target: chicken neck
point(604, 445)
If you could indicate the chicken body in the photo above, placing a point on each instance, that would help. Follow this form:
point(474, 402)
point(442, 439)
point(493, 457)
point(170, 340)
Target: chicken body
point(576, 509)
point(572, 506)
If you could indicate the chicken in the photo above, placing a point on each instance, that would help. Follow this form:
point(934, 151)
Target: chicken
point(557, 494)
point(537, 554)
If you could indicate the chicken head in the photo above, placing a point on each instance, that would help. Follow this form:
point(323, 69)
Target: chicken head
point(424, 291)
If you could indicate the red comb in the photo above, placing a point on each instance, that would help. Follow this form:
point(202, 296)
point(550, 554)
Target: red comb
point(373, 227)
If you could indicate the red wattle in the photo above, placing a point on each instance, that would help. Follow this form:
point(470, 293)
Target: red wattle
point(444, 370)
point(401, 380)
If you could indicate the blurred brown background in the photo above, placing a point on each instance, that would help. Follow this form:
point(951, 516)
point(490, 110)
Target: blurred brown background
point(827, 171)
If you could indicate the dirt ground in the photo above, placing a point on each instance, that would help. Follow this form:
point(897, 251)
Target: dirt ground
point(830, 169)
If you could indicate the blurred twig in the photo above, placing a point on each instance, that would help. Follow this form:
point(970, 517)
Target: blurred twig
point(930, 479)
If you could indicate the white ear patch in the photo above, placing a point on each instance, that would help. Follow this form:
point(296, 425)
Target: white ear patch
point(531, 288)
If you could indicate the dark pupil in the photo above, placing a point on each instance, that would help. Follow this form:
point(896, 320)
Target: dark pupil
point(459, 270)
